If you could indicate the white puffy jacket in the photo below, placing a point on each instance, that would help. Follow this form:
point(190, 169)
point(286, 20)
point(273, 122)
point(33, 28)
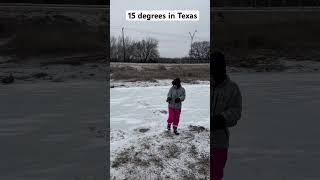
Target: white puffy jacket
point(226, 100)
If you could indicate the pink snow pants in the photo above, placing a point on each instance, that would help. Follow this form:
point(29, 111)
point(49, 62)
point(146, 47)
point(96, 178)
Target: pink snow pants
point(218, 161)
point(174, 117)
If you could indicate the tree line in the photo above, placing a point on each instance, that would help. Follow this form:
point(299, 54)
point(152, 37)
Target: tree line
point(125, 49)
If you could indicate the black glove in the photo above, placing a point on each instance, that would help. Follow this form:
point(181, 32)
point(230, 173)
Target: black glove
point(218, 122)
point(177, 100)
point(169, 99)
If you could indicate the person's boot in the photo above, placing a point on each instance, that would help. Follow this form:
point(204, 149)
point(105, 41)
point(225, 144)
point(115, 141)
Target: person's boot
point(175, 132)
point(169, 127)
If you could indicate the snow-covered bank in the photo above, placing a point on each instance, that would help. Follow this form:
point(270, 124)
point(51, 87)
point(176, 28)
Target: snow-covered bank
point(140, 145)
point(160, 155)
point(277, 137)
point(153, 83)
point(35, 73)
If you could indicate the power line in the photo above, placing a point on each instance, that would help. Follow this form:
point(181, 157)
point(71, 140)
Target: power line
point(124, 47)
point(191, 37)
point(157, 33)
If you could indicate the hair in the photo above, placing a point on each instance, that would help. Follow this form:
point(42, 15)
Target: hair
point(217, 64)
point(217, 58)
point(176, 81)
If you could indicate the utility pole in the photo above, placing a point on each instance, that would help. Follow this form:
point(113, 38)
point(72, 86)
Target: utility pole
point(124, 46)
point(192, 36)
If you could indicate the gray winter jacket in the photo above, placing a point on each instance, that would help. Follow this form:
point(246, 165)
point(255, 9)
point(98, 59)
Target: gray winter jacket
point(176, 93)
point(227, 101)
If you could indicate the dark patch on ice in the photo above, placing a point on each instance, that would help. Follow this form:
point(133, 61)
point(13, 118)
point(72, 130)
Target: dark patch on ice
point(99, 133)
point(143, 103)
point(160, 112)
point(40, 75)
point(8, 79)
point(57, 79)
point(91, 128)
point(143, 130)
point(163, 111)
point(197, 128)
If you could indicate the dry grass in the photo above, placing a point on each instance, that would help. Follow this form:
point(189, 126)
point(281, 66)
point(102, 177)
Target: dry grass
point(151, 159)
point(122, 158)
point(53, 35)
point(279, 34)
point(150, 72)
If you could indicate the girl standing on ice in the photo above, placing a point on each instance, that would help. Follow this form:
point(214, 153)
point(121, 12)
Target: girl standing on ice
point(175, 96)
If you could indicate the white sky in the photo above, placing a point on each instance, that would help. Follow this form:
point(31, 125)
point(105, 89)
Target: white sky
point(174, 39)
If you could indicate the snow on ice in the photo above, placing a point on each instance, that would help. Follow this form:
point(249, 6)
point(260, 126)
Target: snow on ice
point(142, 148)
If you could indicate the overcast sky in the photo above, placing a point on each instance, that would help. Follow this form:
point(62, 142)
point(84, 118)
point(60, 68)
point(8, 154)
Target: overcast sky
point(174, 39)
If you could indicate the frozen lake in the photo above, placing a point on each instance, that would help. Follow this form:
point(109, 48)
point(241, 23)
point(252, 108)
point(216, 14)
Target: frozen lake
point(277, 137)
point(44, 131)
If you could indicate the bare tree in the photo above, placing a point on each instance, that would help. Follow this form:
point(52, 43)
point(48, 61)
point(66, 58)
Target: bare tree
point(146, 50)
point(128, 42)
point(113, 49)
point(200, 50)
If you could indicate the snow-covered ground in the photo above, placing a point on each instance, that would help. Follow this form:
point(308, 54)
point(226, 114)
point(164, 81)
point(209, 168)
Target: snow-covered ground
point(35, 73)
point(140, 145)
point(277, 137)
point(162, 82)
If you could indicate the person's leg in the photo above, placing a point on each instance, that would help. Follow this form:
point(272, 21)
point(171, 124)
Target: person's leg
point(218, 161)
point(177, 113)
point(170, 118)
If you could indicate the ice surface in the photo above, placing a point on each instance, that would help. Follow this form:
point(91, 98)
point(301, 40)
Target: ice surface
point(277, 138)
point(145, 106)
point(44, 131)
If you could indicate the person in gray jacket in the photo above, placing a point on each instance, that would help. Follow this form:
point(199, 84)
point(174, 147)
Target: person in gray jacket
point(225, 111)
point(175, 97)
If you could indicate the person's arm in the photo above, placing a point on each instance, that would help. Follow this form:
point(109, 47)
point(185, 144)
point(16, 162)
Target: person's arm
point(183, 95)
point(233, 113)
point(169, 95)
